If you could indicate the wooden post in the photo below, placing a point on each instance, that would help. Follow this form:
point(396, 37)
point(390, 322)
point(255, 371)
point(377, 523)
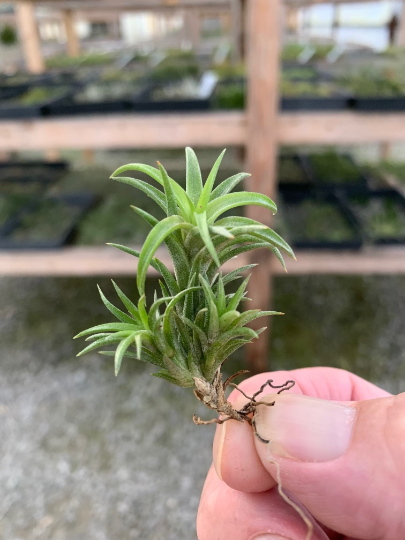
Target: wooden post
point(72, 40)
point(292, 19)
point(236, 29)
point(335, 21)
point(263, 33)
point(52, 155)
point(192, 27)
point(385, 151)
point(28, 31)
point(401, 32)
point(89, 156)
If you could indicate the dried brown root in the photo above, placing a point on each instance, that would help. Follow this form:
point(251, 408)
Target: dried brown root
point(213, 396)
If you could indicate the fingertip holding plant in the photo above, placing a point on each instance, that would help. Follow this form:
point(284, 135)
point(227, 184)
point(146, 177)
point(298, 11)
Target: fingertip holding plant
point(195, 325)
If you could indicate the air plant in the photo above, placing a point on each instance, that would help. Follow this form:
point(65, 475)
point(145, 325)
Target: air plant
point(195, 325)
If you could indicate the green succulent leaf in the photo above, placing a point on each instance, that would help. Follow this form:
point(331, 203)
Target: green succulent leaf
point(193, 177)
point(201, 220)
point(151, 191)
point(209, 184)
point(227, 185)
point(232, 200)
point(157, 235)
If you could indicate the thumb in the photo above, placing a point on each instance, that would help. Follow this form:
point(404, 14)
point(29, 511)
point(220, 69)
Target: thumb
point(344, 462)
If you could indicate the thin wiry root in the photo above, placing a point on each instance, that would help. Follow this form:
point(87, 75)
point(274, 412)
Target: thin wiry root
point(284, 496)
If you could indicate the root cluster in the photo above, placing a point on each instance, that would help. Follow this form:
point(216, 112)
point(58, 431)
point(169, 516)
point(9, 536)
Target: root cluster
point(213, 396)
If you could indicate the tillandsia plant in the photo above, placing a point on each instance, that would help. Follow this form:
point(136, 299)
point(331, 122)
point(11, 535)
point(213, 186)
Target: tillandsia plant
point(194, 326)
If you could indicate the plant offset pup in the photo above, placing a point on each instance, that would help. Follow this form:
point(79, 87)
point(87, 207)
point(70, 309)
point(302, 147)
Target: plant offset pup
point(191, 330)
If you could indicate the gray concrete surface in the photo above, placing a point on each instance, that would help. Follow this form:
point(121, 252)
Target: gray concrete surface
point(87, 456)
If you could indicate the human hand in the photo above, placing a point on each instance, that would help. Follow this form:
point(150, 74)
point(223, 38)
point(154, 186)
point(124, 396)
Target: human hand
point(345, 462)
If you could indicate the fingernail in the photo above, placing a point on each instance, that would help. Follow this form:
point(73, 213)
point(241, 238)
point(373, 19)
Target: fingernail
point(268, 536)
point(305, 428)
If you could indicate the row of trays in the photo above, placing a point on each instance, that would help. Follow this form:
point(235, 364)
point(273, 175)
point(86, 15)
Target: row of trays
point(99, 98)
point(31, 219)
point(327, 171)
point(312, 219)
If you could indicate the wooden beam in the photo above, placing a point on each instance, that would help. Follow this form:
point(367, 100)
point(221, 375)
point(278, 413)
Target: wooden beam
point(82, 261)
point(29, 36)
point(340, 128)
point(107, 261)
point(263, 69)
point(72, 39)
point(125, 131)
point(199, 130)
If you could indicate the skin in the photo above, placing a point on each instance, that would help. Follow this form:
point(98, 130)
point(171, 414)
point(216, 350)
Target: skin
point(359, 495)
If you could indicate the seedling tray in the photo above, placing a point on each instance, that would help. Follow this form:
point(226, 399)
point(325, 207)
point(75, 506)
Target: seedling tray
point(90, 103)
point(10, 109)
point(380, 214)
point(292, 173)
point(317, 220)
point(383, 104)
point(316, 103)
point(25, 174)
point(47, 223)
point(144, 102)
point(335, 177)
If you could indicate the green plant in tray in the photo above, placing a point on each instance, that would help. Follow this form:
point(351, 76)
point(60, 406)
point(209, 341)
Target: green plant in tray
point(195, 325)
point(317, 221)
point(381, 217)
point(330, 166)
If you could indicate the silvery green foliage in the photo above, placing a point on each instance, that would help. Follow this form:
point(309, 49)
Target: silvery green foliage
point(193, 328)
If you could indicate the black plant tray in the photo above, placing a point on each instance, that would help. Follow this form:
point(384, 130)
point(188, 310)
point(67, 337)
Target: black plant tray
point(143, 102)
point(316, 103)
point(32, 171)
point(361, 184)
point(284, 184)
point(372, 104)
point(80, 203)
point(15, 111)
point(293, 199)
point(70, 107)
point(361, 219)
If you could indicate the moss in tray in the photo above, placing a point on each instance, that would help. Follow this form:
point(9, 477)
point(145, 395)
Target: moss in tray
point(290, 88)
point(381, 217)
point(231, 96)
point(90, 59)
point(105, 91)
point(289, 170)
point(10, 203)
point(173, 69)
point(47, 222)
point(291, 51)
point(113, 217)
point(317, 221)
point(229, 71)
point(37, 96)
point(369, 82)
point(185, 89)
point(334, 168)
point(299, 72)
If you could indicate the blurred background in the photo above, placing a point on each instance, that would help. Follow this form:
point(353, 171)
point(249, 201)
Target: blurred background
point(310, 98)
